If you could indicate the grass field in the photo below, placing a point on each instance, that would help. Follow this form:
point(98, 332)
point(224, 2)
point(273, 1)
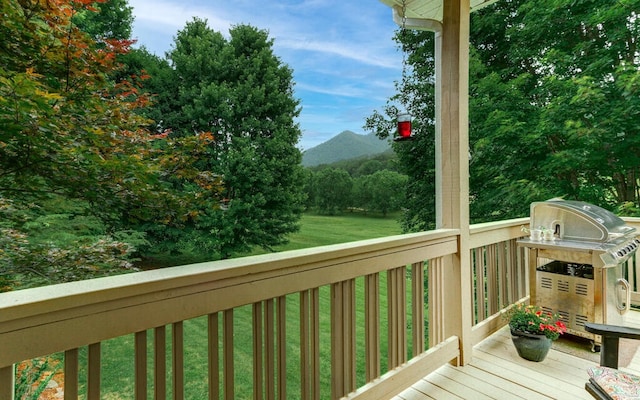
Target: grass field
point(117, 354)
point(320, 230)
point(315, 230)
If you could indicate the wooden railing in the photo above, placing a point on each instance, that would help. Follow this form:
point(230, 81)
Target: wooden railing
point(358, 311)
point(500, 275)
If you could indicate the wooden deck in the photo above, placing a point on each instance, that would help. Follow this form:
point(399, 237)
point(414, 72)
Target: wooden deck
point(496, 372)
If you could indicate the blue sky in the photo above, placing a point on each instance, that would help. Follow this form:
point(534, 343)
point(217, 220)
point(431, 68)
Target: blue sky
point(342, 53)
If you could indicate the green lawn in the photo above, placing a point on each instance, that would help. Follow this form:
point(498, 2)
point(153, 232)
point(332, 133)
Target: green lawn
point(316, 230)
point(320, 230)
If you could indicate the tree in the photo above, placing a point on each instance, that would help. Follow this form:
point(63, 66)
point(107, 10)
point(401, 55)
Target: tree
point(69, 135)
point(241, 93)
point(106, 19)
point(553, 106)
point(65, 133)
point(369, 167)
point(333, 190)
point(562, 76)
point(382, 191)
point(416, 158)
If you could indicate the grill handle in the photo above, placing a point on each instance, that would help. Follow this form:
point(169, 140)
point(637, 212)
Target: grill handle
point(627, 288)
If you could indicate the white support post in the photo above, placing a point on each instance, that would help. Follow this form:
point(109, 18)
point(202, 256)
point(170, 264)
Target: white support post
point(452, 164)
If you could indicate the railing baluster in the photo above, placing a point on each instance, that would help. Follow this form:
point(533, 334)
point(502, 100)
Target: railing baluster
point(71, 374)
point(397, 316)
point(93, 382)
point(141, 365)
point(634, 271)
point(501, 260)
point(305, 348)
point(228, 369)
point(349, 311)
point(213, 356)
point(492, 280)
point(402, 314)
point(178, 360)
point(315, 343)
point(269, 350)
point(258, 358)
point(337, 342)
point(480, 284)
point(513, 276)
point(7, 382)
point(391, 321)
point(372, 326)
point(282, 347)
point(417, 303)
point(436, 302)
point(160, 361)
point(523, 274)
point(342, 338)
point(310, 344)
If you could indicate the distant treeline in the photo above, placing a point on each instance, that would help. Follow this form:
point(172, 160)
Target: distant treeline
point(366, 184)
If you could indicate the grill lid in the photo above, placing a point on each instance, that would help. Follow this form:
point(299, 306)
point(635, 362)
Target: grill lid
point(578, 221)
point(577, 225)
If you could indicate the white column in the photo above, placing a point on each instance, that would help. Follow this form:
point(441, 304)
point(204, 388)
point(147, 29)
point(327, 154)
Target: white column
point(452, 164)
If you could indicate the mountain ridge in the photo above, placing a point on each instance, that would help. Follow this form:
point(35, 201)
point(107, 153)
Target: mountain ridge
point(344, 146)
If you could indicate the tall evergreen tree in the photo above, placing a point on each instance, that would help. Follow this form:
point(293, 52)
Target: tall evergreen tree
point(241, 93)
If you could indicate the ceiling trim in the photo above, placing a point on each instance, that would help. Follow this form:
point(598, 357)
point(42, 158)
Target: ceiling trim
point(425, 14)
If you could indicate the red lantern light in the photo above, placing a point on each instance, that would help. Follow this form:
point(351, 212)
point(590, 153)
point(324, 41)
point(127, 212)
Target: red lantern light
point(404, 127)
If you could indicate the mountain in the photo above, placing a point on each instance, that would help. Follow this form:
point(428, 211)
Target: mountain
point(343, 147)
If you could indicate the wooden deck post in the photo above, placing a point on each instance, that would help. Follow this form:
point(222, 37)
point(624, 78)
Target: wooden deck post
point(452, 165)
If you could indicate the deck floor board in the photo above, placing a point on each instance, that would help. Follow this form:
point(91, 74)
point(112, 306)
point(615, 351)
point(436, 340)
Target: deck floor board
point(497, 372)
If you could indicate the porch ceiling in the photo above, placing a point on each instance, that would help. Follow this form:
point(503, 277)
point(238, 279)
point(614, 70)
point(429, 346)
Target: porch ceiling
point(429, 9)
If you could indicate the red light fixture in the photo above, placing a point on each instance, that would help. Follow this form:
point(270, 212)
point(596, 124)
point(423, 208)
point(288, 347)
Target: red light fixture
point(404, 127)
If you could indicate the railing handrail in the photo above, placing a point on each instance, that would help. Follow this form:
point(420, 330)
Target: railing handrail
point(27, 302)
point(493, 232)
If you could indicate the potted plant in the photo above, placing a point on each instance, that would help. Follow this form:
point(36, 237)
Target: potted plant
point(533, 330)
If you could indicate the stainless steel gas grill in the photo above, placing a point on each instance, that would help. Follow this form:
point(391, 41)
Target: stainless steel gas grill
point(577, 258)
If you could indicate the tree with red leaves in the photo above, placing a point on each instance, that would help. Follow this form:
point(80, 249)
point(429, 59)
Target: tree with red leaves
point(68, 131)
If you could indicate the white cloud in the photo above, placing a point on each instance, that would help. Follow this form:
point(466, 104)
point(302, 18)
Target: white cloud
point(353, 51)
point(174, 14)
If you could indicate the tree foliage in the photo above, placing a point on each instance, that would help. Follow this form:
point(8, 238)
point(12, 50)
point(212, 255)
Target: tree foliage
point(241, 93)
point(66, 132)
point(332, 187)
point(416, 158)
point(382, 191)
point(553, 107)
point(70, 134)
point(555, 99)
point(106, 20)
